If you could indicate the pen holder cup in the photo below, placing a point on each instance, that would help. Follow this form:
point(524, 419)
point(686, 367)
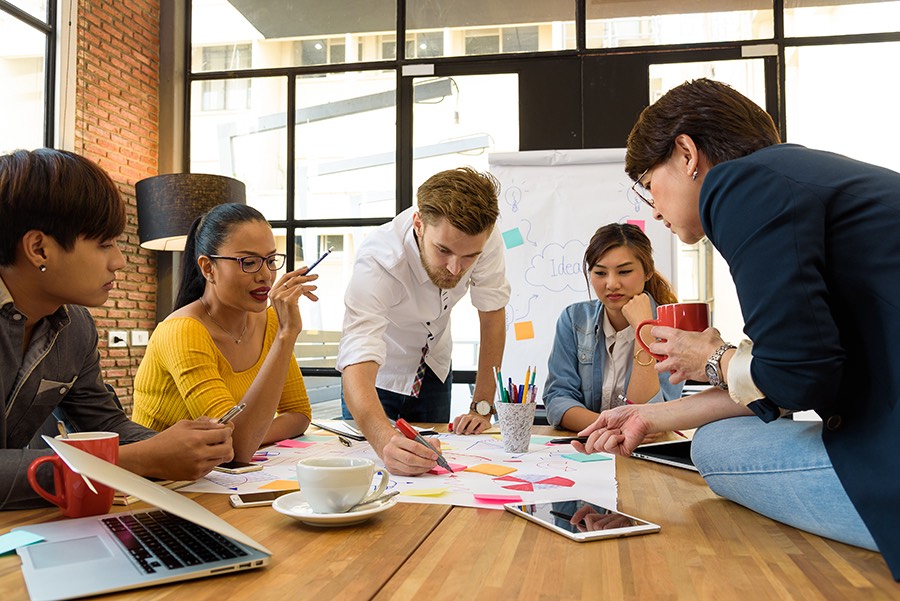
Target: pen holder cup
point(516, 420)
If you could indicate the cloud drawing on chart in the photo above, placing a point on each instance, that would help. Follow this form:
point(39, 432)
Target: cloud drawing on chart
point(558, 267)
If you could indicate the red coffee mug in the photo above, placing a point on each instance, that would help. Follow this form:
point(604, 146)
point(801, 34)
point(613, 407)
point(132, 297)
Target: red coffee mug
point(692, 317)
point(73, 496)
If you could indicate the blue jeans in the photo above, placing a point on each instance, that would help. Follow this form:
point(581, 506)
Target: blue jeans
point(432, 406)
point(781, 470)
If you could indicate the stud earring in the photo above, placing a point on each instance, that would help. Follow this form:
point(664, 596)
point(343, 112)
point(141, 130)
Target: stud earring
point(694, 175)
point(43, 268)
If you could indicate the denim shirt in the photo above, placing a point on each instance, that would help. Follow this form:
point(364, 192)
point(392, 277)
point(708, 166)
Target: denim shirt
point(60, 368)
point(578, 360)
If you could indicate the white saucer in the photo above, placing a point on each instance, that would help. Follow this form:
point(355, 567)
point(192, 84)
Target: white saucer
point(295, 506)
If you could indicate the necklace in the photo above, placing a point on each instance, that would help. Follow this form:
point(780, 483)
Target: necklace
point(230, 335)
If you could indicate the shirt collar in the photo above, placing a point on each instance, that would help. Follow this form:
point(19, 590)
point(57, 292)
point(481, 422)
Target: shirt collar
point(612, 335)
point(414, 256)
point(8, 308)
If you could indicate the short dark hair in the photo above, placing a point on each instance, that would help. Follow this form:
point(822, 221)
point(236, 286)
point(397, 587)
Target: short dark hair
point(208, 233)
point(722, 122)
point(466, 198)
point(59, 193)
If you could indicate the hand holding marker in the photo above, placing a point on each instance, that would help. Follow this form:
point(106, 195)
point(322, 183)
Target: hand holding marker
point(319, 260)
point(410, 432)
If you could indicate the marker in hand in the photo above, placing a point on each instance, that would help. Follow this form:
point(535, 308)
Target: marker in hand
point(230, 415)
point(410, 432)
point(319, 260)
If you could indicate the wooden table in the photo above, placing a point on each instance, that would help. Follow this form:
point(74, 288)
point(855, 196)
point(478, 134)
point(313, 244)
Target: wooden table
point(708, 548)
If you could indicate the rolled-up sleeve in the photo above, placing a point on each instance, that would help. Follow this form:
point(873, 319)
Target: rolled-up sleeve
point(490, 289)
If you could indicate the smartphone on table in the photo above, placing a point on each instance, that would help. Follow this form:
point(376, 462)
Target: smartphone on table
point(238, 467)
point(257, 499)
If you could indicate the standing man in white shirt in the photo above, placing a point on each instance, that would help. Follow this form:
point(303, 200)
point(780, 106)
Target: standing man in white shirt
point(396, 348)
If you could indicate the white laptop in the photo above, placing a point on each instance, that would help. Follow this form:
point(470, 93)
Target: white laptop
point(104, 553)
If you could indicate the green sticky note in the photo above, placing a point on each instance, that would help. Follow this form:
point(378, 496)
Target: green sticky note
point(11, 541)
point(535, 439)
point(513, 238)
point(582, 458)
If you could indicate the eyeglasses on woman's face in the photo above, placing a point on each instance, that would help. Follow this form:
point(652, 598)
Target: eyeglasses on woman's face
point(642, 190)
point(253, 263)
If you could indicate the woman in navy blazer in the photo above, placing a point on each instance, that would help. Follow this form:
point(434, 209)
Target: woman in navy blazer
point(811, 239)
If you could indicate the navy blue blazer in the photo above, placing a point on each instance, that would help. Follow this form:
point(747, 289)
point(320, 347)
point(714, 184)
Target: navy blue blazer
point(812, 240)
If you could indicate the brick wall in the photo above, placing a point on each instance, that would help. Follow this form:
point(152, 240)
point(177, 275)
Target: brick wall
point(116, 125)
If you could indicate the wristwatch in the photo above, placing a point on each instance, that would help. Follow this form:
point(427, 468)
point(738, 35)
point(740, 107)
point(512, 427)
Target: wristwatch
point(714, 367)
point(483, 408)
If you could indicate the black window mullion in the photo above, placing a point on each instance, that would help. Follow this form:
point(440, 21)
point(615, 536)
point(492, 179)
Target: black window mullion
point(291, 183)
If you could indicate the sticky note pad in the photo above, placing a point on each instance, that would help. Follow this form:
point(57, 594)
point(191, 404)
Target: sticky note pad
point(541, 439)
point(457, 467)
point(524, 330)
point(638, 222)
point(491, 469)
point(294, 444)
point(18, 538)
point(513, 238)
point(582, 458)
point(280, 485)
point(424, 492)
point(498, 499)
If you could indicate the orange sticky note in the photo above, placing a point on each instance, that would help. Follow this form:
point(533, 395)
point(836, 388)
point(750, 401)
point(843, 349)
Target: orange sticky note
point(491, 469)
point(524, 330)
point(281, 485)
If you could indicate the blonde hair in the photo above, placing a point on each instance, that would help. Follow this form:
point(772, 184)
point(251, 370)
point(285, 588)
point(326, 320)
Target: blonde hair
point(466, 198)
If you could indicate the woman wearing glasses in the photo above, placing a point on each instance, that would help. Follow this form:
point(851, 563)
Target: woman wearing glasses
point(231, 337)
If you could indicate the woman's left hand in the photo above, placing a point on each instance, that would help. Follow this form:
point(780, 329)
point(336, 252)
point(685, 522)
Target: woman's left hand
point(285, 294)
point(686, 352)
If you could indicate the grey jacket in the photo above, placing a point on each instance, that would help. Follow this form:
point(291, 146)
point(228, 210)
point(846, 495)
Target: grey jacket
point(59, 369)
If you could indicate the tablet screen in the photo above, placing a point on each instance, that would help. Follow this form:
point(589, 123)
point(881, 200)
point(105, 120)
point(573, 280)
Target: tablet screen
point(595, 521)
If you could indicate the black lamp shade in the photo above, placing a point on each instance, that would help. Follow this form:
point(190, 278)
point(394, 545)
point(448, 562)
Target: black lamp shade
point(168, 205)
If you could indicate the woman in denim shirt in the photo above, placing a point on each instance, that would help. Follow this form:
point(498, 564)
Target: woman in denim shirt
point(593, 360)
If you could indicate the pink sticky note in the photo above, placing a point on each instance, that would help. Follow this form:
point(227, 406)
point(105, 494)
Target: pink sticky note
point(637, 222)
point(294, 444)
point(457, 467)
point(499, 499)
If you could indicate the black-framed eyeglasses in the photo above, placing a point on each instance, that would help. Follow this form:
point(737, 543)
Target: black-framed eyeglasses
point(642, 192)
point(253, 263)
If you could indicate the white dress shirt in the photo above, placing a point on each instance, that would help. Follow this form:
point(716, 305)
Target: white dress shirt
point(393, 309)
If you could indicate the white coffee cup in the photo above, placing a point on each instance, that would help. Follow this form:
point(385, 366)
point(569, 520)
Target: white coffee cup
point(335, 484)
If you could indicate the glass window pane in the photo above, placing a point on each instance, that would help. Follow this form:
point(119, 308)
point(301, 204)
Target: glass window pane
point(462, 24)
point(345, 145)
point(291, 33)
point(35, 8)
point(22, 58)
point(238, 130)
point(813, 99)
point(458, 120)
point(804, 18)
point(616, 24)
point(327, 315)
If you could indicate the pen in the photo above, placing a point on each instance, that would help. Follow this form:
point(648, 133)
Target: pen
point(230, 415)
point(410, 432)
point(319, 260)
point(630, 402)
point(568, 439)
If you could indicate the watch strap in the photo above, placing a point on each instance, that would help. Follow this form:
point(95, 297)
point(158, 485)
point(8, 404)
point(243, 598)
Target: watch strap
point(715, 362)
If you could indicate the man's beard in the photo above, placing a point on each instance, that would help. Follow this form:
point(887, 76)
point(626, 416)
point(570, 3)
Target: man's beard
point(440, 277)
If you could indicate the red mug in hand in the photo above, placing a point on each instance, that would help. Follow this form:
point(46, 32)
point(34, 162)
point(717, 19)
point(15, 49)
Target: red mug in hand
point(692, 317)
point(73, 496)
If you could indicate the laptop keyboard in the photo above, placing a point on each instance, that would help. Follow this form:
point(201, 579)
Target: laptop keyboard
point(160, 540)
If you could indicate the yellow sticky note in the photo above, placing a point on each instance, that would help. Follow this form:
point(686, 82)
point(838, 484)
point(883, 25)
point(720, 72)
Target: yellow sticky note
point(524, 330)
point(281, 485)
point(490, 469)
point(424, 492)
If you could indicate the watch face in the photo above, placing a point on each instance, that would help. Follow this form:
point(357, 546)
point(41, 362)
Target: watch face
point(483, 408)
point(712, 374)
